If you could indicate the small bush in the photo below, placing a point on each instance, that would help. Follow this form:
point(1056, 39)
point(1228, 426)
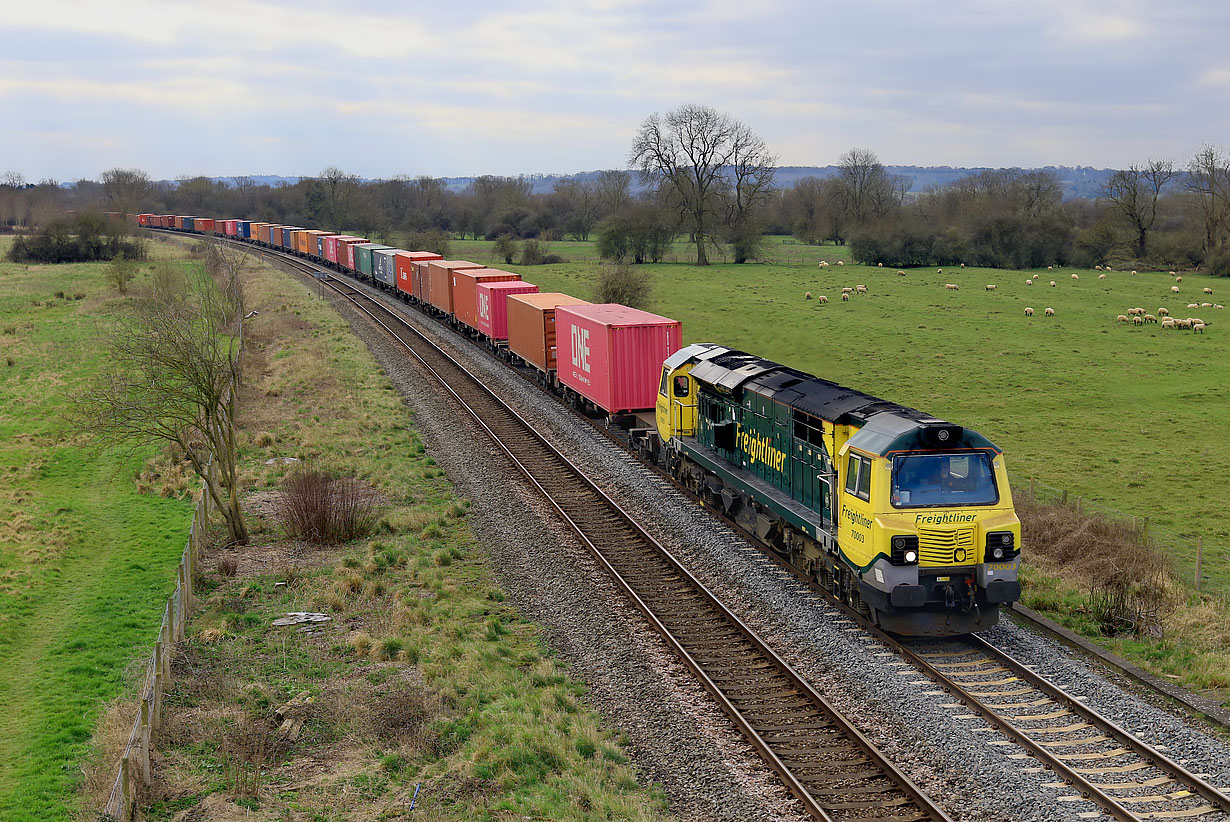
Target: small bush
point(317, 506)
point(227, 566)
point(621, 283)
point(533, 252)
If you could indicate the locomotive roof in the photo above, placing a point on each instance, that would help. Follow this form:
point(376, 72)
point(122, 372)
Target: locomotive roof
point(734, 370)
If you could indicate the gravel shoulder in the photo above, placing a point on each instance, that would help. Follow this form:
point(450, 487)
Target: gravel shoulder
point(675, 735)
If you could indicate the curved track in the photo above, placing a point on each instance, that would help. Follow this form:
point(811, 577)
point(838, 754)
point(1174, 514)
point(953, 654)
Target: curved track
point(831, 768)
point(1095, 761)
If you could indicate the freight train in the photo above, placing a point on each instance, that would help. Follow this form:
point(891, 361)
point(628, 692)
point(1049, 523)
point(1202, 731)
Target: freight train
point(905, 517)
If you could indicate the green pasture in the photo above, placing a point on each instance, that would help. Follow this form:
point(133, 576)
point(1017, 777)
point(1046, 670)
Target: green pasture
point(86, 562)
point(1131, 418)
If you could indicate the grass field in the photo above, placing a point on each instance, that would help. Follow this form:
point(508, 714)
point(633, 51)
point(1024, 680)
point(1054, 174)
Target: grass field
point(1126, 417)
point(425, 675)
point(86, 561)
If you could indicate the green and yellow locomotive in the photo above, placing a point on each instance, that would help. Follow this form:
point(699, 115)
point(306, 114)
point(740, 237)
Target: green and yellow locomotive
point(906, 517)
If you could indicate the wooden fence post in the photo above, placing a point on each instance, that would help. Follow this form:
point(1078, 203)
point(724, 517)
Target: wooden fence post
point(145, 739)
point(1144, 531)
point(125, 790)
point(1064, 497)
point(1032, 495)
point(158, 686)
point(1199, 559)
point(1078, 505)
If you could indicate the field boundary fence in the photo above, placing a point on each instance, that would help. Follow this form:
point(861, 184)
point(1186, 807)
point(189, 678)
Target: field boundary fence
point(134, 770)
point(1173, 543)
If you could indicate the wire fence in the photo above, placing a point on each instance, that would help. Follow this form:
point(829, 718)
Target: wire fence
point(1195, 554)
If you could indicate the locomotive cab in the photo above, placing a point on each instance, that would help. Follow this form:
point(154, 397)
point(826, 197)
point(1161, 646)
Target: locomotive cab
point(927, 525)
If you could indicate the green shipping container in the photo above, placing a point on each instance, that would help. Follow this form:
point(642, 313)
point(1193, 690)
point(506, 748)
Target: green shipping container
point(363, 257)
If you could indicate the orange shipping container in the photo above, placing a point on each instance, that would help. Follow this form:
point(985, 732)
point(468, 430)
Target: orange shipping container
point(531, 326)
point(440, 281)
point(465, 296)
point(407, 271)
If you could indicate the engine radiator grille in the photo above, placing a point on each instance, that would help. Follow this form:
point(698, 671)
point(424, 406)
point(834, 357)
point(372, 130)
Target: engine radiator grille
point(946, 547)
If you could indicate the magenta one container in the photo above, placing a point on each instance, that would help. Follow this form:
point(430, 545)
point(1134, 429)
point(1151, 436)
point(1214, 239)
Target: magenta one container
point(492, 308)
point(612, 355)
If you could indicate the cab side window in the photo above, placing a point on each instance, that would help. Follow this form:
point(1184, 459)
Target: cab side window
point(858, 477)
point(662, 385)
point(681, 385)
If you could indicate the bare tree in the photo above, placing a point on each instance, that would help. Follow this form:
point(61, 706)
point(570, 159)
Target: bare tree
point(752, 168)
point(1134, 193)
point(866, 187)
point(686, 155)
point(1209, 182)
point(125, 189)
point(173, 366)
point(614, 189)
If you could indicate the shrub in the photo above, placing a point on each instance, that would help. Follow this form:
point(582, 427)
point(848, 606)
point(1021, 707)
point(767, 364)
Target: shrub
point(621, 283)
point(317, 506)
point(533, 252)
point(506, 247)
point(1219, 264)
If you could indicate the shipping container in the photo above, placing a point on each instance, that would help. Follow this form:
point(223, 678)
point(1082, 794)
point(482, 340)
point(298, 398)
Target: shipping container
point(311, 242)
point(275, 234)
point(612, 355)
point(202, 225)
point(421, 279)
point(345, 252)
point(320, 245)
point(465, 295)
point(144, 219)
point(404, 262)
point(492, 311)
point(363, 257)
point(384, 269)
point(187, 223)
point(440, 281)
point(531, 326)
point(288, 233)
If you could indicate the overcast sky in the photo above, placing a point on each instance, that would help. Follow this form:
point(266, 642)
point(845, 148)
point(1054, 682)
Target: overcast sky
point(510, 87)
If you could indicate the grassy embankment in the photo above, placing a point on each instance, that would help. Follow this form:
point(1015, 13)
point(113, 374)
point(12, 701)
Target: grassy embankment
point(424, 676)
point(86, 561)
point(1132, 418)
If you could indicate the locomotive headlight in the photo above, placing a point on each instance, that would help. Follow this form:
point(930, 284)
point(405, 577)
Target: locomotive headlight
point(997, 553)
point(904, 549)
point(899, 543)
point(1001, 545)
point(911, 556)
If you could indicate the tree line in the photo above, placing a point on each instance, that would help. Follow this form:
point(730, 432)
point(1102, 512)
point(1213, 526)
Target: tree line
point(704, 176)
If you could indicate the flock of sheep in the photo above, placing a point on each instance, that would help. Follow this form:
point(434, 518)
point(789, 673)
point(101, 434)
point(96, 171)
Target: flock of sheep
point(1135, 316)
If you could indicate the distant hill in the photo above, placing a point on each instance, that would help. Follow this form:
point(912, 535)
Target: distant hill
point(1078, 182)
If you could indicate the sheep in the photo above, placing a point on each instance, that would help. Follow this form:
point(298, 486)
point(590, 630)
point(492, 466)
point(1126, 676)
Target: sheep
point(939, 271)
point(1137, 321)
point(1097, 268)
point(1029, 312)
point(1136, 311)
point(963, 265)
point(822, 299)
point(841, 262)
point(861, 289)
point(1208, 291)
point(1101, 276)
point(807, 295)
point(1122, 318)
point(1168, 323)
point(1193, 305)
point(951, 286)
point(1215, 305)
point(846, 290)
point(1184, 323)
point(1133, 272)
point(1206, 305)
point(900, 273)
point(1197, 320)
point(1076, 276)
point(1108, 268)
point(1163, 312)
point(1149, 318)
point(1053, 283)
point(879, 265)
point(824, 263)
point(1171, 273)
point(1198, 328)
point(990, 287)
point(1174, 289)
point(1178, 279)
point(1050, 312)
point(1050, 268)
point(845, 296)
point(1029, 282)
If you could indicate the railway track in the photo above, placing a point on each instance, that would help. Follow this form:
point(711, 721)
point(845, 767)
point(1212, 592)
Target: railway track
point(798, 734)
point(1093, 759)
point(825, 763)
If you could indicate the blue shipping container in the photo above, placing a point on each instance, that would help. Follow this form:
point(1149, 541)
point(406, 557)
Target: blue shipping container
point(189, 223)
point(243, 228)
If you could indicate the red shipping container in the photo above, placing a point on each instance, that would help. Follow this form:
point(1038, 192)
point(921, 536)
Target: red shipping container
point(420, 279)
point(492, 310)
point(612, 355)
point(232, 228)
point(531, 326)
point(203, 225)
point(465, 290)
point(440, 281)
point(345, 252)
point(405, 260)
